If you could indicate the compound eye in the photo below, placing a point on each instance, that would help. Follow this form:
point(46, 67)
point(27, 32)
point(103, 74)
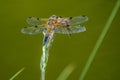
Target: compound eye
point(56, 17)
point(60, 16)
point(50, 19)
point(53, 16)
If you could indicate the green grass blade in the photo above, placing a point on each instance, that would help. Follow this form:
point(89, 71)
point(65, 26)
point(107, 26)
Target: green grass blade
point(66, 72)
point(99, 41)
point(15, 75)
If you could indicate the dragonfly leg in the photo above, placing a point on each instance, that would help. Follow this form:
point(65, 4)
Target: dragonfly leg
point(69, 30)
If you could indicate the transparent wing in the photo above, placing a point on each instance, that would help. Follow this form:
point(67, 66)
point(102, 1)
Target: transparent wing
point(75, 25)
point(74, 29)
point(36, 21)
point(33, 30)
point(78, 20)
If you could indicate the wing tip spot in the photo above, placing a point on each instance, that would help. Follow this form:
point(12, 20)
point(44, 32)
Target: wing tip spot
point(70, 18)
point(25, 27)
point(30, 17)
point(38, 18)
point(35, 26)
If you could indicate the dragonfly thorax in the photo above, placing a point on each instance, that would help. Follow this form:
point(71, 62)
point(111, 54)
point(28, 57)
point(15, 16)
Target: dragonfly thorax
point(49, 29)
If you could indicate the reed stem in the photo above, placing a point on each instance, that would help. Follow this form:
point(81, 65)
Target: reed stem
point(99, 41)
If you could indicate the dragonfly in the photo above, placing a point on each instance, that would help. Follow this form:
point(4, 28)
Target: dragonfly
point(55, 24)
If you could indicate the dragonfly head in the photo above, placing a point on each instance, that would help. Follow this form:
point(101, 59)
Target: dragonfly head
point(53, 17)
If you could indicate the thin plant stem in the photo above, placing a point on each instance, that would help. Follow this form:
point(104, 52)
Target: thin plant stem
point(66, 72)
point(44, 60)
point(45, 55)
point(99, 41)
point(15, 75)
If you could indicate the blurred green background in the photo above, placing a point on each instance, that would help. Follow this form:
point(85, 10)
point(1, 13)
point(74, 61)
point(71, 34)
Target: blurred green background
point(18, 50)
